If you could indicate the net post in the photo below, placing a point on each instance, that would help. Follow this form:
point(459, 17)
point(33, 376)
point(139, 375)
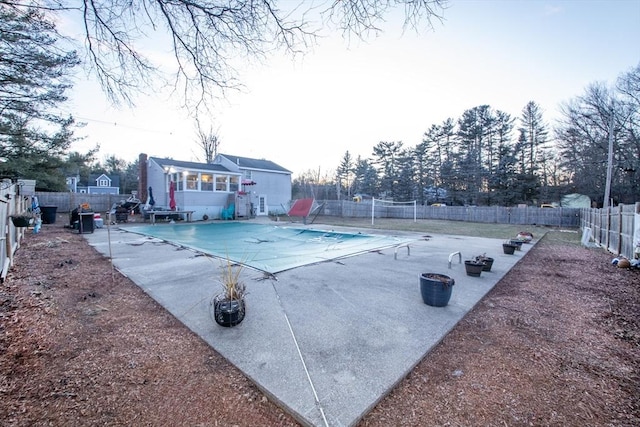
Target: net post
point(373, 209)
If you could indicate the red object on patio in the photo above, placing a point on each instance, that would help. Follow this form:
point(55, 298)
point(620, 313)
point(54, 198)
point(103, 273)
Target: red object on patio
point(301, 207)
point(172, 196)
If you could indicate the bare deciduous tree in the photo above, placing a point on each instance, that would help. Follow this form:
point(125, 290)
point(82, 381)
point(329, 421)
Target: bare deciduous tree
point(208, 38)
point(208, 141)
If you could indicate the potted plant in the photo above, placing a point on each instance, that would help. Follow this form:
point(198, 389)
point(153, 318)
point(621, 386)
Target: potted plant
point(474, 266)
point(525, 236)
point(486, 260)
point(229, 305)
point(517, 243)
point(22, 220)
point(508, 247)
point(436, 289)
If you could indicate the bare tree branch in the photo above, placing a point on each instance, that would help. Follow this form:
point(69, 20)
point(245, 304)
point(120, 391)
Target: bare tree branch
point(210, 38)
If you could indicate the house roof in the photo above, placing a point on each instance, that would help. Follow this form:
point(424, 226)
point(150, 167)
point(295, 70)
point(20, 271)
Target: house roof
point(189, 165)
point(258, 164)
point(93, 178)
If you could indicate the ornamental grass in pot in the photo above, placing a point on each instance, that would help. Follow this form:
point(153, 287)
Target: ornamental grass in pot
point(229, 307)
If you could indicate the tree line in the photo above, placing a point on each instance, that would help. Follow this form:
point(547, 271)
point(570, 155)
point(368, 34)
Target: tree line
point(485, 156)
point(488, 157)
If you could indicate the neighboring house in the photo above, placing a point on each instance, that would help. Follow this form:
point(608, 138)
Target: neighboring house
point(252, 185)
point(98, 184)
point(72, 183)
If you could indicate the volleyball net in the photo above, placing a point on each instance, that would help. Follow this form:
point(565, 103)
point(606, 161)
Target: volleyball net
point(378, 206)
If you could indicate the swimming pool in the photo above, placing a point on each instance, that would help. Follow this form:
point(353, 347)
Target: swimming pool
point(267, 247)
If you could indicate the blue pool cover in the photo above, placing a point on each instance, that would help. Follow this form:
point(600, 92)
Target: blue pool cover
point(265, 247)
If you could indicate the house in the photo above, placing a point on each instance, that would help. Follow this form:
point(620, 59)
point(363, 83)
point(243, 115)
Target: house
point(253, 186)
point(97, 184)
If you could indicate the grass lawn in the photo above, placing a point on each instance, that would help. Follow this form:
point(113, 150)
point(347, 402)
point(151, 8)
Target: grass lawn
point(475, 229)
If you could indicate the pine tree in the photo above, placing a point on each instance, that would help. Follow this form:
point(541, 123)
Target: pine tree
point(34, 81)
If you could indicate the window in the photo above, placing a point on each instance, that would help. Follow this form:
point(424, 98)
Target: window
point(206, 182)
point(247, 175)
point(233, 183)
point(103, 182)
point(192, 181)
point(222, 182)
point(180, 180)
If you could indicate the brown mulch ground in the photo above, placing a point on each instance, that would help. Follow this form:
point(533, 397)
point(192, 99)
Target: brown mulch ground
point(556, 342)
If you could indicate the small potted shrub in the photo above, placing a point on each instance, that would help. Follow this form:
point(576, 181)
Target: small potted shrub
point(229, 305)
point(485, 260)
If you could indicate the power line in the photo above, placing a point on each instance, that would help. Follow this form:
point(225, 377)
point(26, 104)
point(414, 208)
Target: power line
point(122, 125)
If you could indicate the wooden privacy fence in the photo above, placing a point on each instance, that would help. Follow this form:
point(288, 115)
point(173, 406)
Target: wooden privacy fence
point(560, 217)
point(615, 228)
point(66, 202)
point(11, 203)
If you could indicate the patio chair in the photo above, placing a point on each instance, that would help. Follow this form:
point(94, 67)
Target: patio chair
point(228, 212)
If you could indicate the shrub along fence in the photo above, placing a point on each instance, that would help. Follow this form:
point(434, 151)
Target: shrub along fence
point(615, 228)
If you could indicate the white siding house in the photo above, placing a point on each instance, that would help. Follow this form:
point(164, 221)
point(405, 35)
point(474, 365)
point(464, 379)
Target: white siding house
point(268, 185)
point(254, 186)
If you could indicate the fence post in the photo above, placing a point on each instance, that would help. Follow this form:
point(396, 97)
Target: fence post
point(619, 231)
point(606, 225)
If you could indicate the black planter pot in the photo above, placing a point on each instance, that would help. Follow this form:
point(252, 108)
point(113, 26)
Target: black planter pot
point(488, 263)
point(228, 312)
point(436, 289)
point(508, 248)
point(20, 221)
point(473, 268)
point(518, 244)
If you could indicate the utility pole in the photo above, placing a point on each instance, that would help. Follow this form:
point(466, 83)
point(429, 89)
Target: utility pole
point(607, 189)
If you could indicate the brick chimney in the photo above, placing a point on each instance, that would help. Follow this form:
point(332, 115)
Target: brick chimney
point(142, 177)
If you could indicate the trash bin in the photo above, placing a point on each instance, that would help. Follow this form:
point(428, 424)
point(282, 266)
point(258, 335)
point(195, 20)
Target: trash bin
point(48, 214)
point(86, 222)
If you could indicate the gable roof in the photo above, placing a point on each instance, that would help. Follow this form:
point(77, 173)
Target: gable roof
point(257, 164)
point(189, 165)
point(94, 177)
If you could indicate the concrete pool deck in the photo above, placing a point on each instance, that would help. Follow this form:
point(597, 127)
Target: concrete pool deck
point(326, 341)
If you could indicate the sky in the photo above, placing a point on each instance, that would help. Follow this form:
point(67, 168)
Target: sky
point(306, 114)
